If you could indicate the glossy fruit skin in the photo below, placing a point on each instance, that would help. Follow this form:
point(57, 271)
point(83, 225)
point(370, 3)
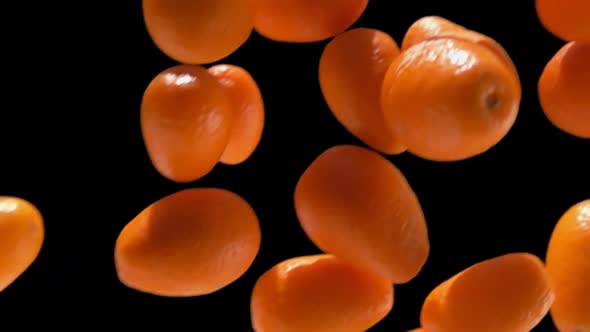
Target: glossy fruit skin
point(319, 293)
point(248, 112)
point(566, 19)
point(193, 242)
point(186, 120)
point(22, 233)
point(564, 89)
point(509, 293)
point(568, 264)
point(351, 71)
point(305, 21)
point(199, 31)
point(436, 27)
point(355, 204)
point(450, 99)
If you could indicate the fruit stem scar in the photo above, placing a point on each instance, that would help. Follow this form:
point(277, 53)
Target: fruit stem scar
point(492, 101)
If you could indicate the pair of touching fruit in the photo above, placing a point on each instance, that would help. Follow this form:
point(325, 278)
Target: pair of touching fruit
point(447, 94)
point(358, 208)
point(193, 117)
point(205, 31)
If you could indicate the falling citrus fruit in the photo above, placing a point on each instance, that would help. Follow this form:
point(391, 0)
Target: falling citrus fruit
point(319, 293)
point(352, 68)
point(568, 264)
point(355, 204)
point(21, 237)
point(193, 242)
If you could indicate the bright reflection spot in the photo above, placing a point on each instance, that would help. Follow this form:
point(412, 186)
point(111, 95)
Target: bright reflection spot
point(294, 265)
point(7, 207)
point(584, 216)
point(297, 264)
point(179, 80)
point(432, 26)
point(461, 59)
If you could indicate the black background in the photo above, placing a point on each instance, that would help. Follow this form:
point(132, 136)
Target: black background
point(71, 144)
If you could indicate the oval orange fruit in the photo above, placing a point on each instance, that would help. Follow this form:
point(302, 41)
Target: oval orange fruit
point(193, 242)
point(568, 264)
point(355, 204)
point(508, 293)
point(21, 237)
point(199, 31)
point(449, 99)
point(351, 71)
point(566, 19)
point(319, 293)
point(564, 89)
point(304, 21)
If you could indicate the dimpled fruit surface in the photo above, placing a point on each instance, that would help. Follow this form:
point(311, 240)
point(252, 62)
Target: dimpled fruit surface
point(193, 242)
point(508, 293)
point(319, 293)
point(450, 99)
point(355, 204)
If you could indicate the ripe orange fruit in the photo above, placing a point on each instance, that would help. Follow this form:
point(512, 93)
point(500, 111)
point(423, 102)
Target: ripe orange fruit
point(352, 68)
point(417, 330)
point(566, 19)
point(355, 204)
point(21, 238)
point(305, 21)
point(436, 27)
point(186, 118)
point(449, 99)
point(199, 31)
point(193, 242)
point(509, 293)
point(248, 112)
point(569, 267)
point(319, 293)
point(564, 88)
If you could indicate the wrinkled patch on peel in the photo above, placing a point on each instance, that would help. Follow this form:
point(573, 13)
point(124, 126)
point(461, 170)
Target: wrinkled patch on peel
point(483, 40)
